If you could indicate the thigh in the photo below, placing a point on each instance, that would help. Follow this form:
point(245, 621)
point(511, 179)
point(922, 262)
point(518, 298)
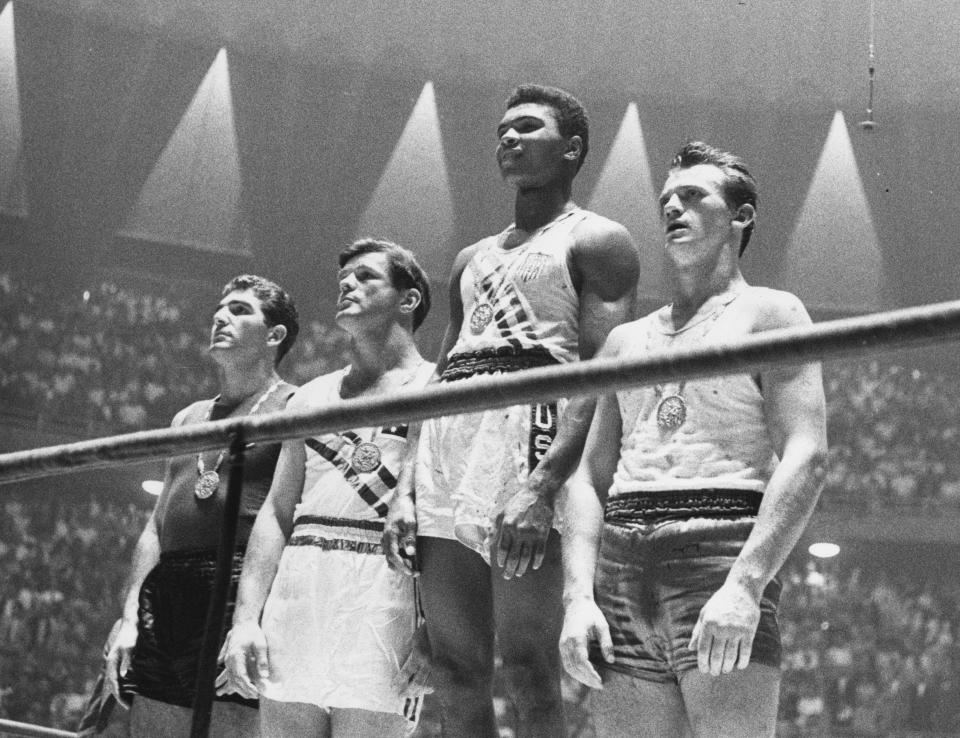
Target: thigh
point(456, 599)
point(351, 723)
point(528, 610)
point(149, 718)
point(284, 719)
point(631, 707)
point(233, 720)
point(741, 704)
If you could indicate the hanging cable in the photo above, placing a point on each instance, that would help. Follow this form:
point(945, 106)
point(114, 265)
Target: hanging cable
point(870, 124)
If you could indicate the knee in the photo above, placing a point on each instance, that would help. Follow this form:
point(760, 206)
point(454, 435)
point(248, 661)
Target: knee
point(532, 681)
point(458, 676)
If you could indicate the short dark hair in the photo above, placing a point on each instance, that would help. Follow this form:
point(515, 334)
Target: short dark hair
point(739, 186)
point(276, 304)
point(571, 115)
point(405, 272)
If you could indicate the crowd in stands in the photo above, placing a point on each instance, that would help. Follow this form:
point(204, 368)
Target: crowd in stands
point(893, 431)
point(113, 360)
point(867, 651)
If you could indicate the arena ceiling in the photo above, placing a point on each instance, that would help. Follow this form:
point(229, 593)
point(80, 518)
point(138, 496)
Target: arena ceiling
point(321, 93)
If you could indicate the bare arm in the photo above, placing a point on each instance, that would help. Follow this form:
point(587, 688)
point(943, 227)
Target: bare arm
point(245, 649)
point(606, 267)
point(456, 305)
point(583, 526)
point(795, 413)
point(399, 538)
point(146, 555)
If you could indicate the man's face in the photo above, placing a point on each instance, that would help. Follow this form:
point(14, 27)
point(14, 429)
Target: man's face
point(239, 323)
point(366, 289)
point(530, 146)
point(693, 209)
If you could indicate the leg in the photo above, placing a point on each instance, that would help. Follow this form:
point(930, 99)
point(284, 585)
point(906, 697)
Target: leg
point(152, 718)
point(284, 719)
point(233, 720)
point(529, 614)
point(638, 708)
point(455, 593)
point(741, 704)
point(352, 723)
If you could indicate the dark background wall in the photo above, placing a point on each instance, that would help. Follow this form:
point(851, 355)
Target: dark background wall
point(321, 92)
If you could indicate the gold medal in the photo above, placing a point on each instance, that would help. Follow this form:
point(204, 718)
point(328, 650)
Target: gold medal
point(480, 318)
point(671, 412)
point(366, 457)
point(207, 484)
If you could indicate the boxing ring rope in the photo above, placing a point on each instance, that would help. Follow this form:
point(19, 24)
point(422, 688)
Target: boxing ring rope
point(842, 338)
point(12, 727)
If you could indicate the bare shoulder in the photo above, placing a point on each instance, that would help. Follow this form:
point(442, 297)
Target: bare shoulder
point(604, 255)
point(463, 257)
point(772, 309)
point(623, 337)
point(193, 410)
point(601, 238)
point(303, 397)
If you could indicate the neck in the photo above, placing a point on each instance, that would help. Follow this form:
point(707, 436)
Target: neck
point(373, 356)
point(239, 383)
point(693, 290)
point(535, 207)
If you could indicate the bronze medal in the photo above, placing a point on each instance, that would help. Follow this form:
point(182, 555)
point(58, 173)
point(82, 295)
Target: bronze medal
point(480, 318)
point(207, 484)
point(366, 457)
point(671, 412)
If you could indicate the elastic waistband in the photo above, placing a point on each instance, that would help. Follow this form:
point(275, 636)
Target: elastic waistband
point(200, 562)
point(332, 522)
point(495, 361)
point(656, 507)
point(335, 544)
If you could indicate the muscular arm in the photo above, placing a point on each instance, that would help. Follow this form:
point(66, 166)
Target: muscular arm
point(795, 414)
point(605, 267)
point(583, 526)
point(456, 306)
point(245, 649)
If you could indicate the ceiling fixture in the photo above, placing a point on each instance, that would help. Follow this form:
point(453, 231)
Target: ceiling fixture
point(870, 124)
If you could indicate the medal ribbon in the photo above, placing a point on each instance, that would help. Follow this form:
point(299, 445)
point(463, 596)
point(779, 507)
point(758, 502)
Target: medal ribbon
point(378, 484)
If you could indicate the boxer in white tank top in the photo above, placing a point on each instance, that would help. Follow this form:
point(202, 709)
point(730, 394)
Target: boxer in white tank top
point(546, 290)
point(690, 495)
point(337, 624)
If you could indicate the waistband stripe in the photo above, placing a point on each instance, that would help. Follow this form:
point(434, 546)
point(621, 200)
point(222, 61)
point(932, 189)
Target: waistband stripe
point(653, 507)
point(335, 544)
point(373, 525)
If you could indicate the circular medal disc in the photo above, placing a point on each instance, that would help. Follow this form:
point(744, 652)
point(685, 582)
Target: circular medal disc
point(671, 412)
point(480, 318)
point(366, 457)
point(206, 485)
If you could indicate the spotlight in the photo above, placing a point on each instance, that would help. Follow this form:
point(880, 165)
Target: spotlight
point(824, 550)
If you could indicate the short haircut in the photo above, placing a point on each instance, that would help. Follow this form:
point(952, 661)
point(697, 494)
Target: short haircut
point(405, 272)
point(739, 186)
point(571, 115)
point(276, 304)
